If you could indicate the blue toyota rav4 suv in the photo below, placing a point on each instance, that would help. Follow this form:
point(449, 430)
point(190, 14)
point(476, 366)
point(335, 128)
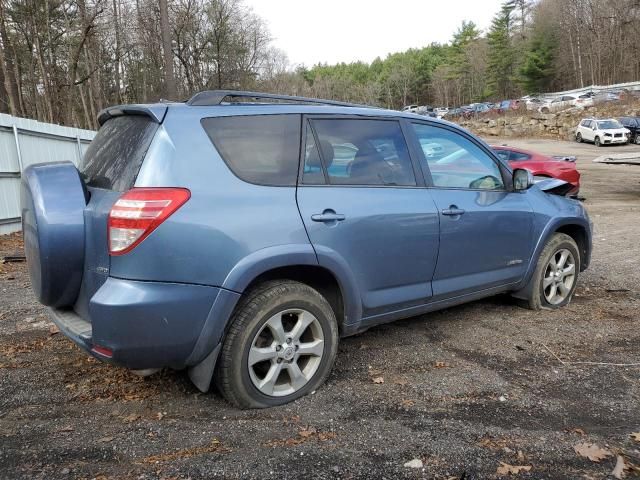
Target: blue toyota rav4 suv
point(239, 235)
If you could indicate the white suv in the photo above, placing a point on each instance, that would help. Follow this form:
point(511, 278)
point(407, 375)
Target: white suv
point(602, 132)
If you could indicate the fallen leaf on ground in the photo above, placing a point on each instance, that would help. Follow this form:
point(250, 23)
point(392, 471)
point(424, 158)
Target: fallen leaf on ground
point(592, 451)
point(377, 380)
point(307, 432)
point(214, 447)
point(618, 470)
point(496, 444)
point(506, 469)
point(415, 463)
point(577, 431)
point(105, 439)
point(407, 403)
point(160, 415)
point(53, 329)
point(131, 418)
point(636, 436)
point(440, 365)
point(67, 429)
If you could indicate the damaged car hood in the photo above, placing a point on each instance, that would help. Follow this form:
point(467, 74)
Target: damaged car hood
point(554, 186)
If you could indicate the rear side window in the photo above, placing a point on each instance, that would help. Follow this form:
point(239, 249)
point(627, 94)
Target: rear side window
point(115, 155)
point(359, 152)
point(261, 149)
point(503, 154)
point(519, 156)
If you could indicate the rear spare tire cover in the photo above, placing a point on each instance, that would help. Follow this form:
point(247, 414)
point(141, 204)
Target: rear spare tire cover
point(53, 199)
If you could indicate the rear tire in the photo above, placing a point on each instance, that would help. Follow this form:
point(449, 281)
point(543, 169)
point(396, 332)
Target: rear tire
point(261, 363)
point(556, 276)
point(597, 142)
point(579, 137)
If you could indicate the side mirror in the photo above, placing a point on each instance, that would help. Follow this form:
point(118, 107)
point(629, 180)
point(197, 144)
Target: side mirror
point(522, 179)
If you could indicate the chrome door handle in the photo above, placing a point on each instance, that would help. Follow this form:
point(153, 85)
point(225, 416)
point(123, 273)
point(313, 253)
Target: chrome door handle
point(328, 216)
point(453, 211)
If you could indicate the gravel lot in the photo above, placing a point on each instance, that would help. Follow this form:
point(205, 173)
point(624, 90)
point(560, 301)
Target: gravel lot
point(464, 389)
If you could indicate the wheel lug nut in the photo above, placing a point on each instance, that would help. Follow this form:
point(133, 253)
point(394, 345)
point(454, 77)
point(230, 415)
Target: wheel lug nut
point(288, 340)
point(279, 360)
point(278, 348)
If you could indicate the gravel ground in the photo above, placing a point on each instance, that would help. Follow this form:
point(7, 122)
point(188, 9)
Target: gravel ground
point(464, 389)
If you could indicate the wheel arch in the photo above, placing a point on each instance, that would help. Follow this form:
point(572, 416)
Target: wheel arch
point(322, 269)
point(576, 228)
point(315, 276)
point(579, 235)
point(326, 272)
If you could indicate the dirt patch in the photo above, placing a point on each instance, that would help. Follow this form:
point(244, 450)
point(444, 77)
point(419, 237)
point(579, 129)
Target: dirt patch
point(464, 390)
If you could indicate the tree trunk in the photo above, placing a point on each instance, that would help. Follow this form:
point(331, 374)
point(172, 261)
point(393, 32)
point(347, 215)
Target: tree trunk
point(7, 66)
point(116, 65)
point(169, 79)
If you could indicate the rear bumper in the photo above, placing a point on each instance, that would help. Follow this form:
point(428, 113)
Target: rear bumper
point(143, 324)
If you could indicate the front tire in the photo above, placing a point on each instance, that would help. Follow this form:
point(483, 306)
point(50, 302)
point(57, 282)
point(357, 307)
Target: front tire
point(556, 275)
point(281, 346)
point(597, 142)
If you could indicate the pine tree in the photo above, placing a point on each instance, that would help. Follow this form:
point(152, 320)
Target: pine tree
point(502, 54)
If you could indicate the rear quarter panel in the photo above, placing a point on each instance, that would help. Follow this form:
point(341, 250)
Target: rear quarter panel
point(225, 220)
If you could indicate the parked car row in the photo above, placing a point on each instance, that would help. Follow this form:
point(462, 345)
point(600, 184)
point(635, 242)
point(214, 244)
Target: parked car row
point(541, 104)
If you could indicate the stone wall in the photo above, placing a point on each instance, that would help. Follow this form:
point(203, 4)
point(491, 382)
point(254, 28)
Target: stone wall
point(560, 125)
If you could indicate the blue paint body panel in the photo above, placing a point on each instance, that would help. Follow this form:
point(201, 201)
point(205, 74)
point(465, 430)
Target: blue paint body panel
point(147, 324)
point(169, 301)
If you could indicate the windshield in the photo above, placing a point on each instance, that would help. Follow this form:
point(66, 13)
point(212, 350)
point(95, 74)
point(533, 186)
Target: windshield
point(606, 124)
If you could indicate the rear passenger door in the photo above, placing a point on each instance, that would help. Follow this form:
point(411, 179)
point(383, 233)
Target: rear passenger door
point(485, 229)
point(587, 130)
point(362, 204)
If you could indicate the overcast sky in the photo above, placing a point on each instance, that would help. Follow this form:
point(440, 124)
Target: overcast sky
point(347, 30)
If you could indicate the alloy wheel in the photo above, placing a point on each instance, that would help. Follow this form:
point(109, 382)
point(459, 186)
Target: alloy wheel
point(559, 277)
point(286, 352)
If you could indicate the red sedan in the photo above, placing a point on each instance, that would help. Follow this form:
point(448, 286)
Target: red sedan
point(541, 166)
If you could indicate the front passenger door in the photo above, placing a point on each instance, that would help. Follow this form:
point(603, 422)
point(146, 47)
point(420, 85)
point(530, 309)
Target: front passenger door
point(485, 229)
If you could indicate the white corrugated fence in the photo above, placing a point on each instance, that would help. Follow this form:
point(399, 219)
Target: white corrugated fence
point(24, 142)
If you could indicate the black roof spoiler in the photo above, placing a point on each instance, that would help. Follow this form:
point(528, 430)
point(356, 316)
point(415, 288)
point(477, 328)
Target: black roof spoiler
point(216, 97)
point(155, 112)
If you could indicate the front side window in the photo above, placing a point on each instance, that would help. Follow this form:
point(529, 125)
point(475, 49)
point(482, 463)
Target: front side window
point(261, 149)
point(462, 163)
point(358, 152)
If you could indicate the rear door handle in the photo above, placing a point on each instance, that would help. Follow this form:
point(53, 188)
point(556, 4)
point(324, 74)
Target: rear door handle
point(328, 216)
point(453, 211)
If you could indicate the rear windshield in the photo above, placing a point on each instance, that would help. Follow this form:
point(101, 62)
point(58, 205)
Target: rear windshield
point(261, 149)
point(115, 155)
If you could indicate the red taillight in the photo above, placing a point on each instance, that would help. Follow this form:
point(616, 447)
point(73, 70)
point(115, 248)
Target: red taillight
point(104, 351)
point(139, 212)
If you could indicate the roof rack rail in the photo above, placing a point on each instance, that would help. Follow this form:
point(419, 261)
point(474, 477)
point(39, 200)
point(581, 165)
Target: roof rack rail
point(215, 97)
